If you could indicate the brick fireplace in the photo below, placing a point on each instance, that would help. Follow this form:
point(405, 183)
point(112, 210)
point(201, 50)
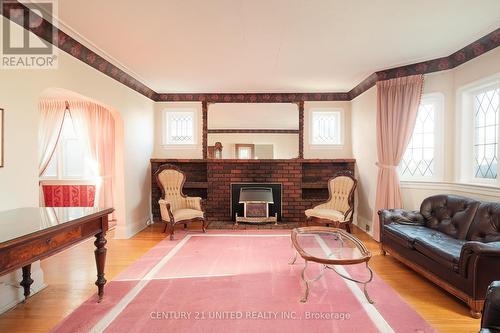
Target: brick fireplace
point(303, 181)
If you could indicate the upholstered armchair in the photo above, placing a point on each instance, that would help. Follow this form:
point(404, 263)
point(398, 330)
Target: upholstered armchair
point(176, 207)
point(339, 209)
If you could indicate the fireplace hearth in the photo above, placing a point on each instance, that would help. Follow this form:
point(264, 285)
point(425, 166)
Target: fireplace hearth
point(256, 203)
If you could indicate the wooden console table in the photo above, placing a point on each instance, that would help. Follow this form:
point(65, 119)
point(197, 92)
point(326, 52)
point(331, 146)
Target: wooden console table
point(31, 234)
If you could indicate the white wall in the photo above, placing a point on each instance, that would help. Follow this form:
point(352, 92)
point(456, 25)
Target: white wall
point(19, 97)
point(176, 152)
point(311, 151)
point(364, 144)
point(364, 149)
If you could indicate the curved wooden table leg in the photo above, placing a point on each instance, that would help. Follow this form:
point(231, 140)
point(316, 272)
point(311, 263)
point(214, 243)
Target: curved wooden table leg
point(100, 260)
point(27, 281)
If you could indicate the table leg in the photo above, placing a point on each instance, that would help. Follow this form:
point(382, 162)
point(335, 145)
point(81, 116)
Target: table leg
point(27, 281)
point(364, 283)
point(100, 260)
point(294, 258)
point(306, 284)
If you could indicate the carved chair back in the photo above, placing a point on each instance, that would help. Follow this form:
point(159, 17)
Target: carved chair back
point(171, 181)
point(341, 188)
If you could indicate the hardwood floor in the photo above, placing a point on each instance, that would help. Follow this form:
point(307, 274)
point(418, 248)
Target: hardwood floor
point(70, 277)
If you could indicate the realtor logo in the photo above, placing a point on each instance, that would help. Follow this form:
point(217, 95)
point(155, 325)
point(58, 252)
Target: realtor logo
point(24, 23)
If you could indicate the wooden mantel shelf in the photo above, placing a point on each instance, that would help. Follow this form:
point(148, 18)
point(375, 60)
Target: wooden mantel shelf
point(293, 160)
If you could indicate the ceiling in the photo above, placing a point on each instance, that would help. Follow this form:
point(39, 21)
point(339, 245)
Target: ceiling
point(176, 46)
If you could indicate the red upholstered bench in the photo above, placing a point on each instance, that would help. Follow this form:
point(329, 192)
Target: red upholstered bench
point(69, 195)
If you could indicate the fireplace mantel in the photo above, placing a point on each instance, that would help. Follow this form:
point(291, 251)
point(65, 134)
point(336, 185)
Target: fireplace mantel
point(292, 160)
point(304, 182)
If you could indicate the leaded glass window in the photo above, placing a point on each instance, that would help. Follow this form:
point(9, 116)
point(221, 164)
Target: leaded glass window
point(486, 109)
point(419, 159)
point(180, 127)
point(325, 128)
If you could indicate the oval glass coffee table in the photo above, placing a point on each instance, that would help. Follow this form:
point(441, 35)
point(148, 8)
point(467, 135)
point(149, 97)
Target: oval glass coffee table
point(332, 248)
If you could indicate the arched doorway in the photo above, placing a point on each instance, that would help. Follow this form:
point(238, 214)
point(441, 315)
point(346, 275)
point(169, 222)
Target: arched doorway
point(81, 142)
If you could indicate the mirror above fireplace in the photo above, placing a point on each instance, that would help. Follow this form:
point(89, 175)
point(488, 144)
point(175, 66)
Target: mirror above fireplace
point(254, 130)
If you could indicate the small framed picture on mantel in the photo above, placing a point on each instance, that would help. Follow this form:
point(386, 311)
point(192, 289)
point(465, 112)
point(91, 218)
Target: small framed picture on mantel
point(1, 137)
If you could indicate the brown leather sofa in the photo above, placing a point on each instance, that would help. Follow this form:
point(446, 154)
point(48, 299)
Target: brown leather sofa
point(453, 241)
point(490, 323)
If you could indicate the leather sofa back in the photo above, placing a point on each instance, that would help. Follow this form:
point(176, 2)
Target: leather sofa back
point(486, 225)
point(449, 214)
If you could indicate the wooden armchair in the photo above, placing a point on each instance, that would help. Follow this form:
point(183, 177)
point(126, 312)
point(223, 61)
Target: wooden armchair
point(339, 209)
point(176, 207)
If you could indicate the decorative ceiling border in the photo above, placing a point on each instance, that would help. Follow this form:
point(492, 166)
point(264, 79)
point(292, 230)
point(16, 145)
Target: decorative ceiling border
point(91, 58)
point(253, 97)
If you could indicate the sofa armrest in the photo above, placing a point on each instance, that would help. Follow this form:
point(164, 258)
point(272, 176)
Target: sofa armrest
point(481, 263)
point(400, 216)
point(491, 310)
point(472, 250)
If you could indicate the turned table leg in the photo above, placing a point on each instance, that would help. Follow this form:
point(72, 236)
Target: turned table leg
point(27, 281)
point(100, 260)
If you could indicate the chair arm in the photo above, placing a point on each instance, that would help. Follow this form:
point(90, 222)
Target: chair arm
point(400, 216)
point(166, 212)
point(491, 310)
point(193, 203)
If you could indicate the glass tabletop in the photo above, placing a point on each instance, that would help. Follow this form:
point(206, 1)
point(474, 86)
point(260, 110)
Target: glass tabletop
point(24, 221)
point(329, 245)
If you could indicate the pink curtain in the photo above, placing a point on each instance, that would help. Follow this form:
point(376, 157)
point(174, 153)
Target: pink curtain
point(397, 106)
point(49, 131)
point(95, 122)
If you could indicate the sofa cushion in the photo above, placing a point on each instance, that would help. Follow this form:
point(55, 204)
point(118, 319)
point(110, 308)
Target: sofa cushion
point(486, 225)
point(451, 215)
point(405, 234)
point(441, 248)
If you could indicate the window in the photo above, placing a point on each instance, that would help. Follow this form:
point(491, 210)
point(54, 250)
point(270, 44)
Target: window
point(179, 127)
point(245, 151)
point(326, 127)
point(420, 158)
point(485, 105)
point(71, 159)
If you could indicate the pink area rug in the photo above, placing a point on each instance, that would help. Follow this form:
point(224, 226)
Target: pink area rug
point(238, 282)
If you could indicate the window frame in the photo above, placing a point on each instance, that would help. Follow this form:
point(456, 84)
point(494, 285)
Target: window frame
point(437, 98)
point(165, 141)
point(467, 119)
point(341, 128)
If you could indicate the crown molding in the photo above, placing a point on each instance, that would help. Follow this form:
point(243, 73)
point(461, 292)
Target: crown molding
point(106, 65)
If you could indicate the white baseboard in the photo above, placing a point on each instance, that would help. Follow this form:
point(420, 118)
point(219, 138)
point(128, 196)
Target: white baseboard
point(12, 293)
point(129, 230)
